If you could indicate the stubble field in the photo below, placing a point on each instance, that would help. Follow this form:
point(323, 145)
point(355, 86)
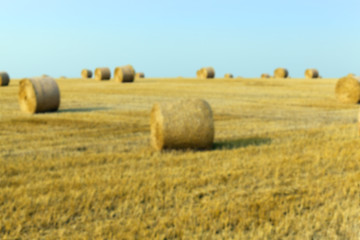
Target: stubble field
point(285, 164)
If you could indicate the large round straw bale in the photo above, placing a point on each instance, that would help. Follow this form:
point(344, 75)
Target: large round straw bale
point(139, 75)
point(206, 72)
point(347, 89)
point(228, 75)
point(281, 73)
point(124, 74)
point(132, 68)
point(182, 124)
point(265, 75)
point(4, 79)
point(40, 94)
point(102, 73)
point(86, 73)
point(311, 73)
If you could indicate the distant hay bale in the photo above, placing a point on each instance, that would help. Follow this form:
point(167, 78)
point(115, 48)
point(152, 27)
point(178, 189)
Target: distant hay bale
point(206, 72)
point(139, 75)
point(86, 73)
point(4, 79)
point(228, 75)
point(132, 68)
point(311, 73)
point(182, 124)
point(347, 89)
point(281, 73)
point(102, 73)
point(265, 75)
point(40, 94)
point(124, 74)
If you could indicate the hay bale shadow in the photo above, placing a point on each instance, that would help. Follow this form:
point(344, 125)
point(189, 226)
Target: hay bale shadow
point(77, 110)
point(241, 143)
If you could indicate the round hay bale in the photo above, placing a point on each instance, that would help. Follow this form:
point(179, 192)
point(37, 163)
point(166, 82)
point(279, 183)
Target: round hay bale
point(124, 74)
point(281, 73)
point(102, 73)
point(4, 79)
point(206, 72)
point(311, 73)
point(40, 94)
point(347, 89)
point(351, 75)
point(265, 75)
point(86, 73)
point(228, 75)
point(132, 68)
point(182, 124)
point(139, 75)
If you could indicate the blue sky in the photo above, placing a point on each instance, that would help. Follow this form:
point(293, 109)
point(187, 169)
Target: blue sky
point(175, 38)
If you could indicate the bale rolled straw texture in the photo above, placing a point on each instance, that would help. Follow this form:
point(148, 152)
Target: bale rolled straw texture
point(4, 79)
point(281, 73)
point(311, 73)
point(140, 75)
point(132, 68)
point(347, 89)
point(124, 74)
point(102, 73)
point(228, 75)
point(265, 75)
point(182, 124)
point(206, 72)
point(86, 73)
point(39, 94)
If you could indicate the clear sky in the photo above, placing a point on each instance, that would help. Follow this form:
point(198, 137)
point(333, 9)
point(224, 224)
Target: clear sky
point(170, 38)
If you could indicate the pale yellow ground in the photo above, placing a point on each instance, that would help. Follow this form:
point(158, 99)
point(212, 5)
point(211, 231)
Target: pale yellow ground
point(285, 164)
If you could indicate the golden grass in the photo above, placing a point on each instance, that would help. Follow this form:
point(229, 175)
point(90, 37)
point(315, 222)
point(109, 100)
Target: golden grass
point(285, 164)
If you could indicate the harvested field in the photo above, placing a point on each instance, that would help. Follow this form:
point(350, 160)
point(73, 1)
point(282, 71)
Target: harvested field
point(285, 163)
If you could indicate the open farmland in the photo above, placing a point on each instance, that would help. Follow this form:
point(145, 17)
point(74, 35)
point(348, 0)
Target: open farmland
point(285, 163)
